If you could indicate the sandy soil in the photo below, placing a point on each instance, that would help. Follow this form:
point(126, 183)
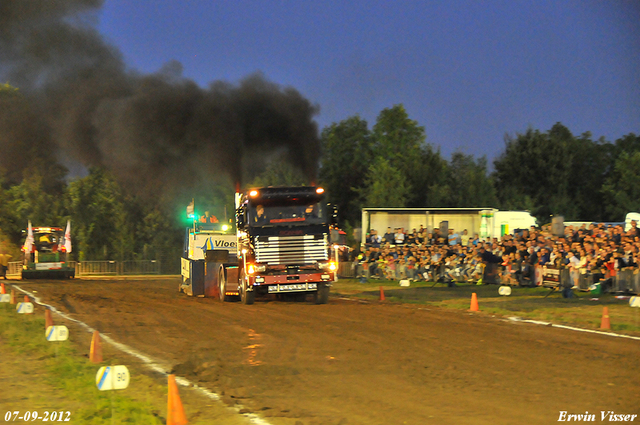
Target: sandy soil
point(349, 362)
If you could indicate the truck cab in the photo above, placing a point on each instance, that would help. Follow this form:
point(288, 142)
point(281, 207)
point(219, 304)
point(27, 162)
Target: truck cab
point(284, 243)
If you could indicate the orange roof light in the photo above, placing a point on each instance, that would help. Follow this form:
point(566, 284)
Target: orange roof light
point(253, 193)
point(319, 190)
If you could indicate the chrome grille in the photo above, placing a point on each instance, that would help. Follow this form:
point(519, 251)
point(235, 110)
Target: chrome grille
point(279, 250)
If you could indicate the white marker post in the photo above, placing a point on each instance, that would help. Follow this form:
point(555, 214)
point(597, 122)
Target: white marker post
point(505, 291)
point(24, 308)
point(5, 298)
point(112, 378)
point(57, 333)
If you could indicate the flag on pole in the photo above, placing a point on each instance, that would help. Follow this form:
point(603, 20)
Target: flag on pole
point(67, 237)
point(28, 244)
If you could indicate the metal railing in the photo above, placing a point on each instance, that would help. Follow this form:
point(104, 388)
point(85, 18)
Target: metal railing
point(625, 281)
point(103, 268)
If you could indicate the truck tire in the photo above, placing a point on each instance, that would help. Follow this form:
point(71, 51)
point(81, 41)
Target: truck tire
point(222, 285)
point(321, 296)
point(246, 297)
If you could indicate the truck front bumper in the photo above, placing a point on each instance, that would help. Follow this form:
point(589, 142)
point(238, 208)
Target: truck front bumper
point(292, 282)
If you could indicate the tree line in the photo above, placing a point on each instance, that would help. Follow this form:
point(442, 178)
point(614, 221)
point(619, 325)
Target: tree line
point(545, 172)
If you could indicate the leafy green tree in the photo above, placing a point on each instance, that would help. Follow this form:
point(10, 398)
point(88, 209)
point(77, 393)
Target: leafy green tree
point(622, 189)
point(468, 182)
point(99, 216)
point(346, 156)
point(402, 141)
point(384, 186)
point(38, 199)
point(551, 173)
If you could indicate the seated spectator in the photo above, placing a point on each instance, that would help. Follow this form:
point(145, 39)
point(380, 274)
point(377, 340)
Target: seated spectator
point(390, 268)
point(545, 257)
point(506, 275)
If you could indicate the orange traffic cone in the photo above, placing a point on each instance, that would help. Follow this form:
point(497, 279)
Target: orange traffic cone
point(2, 289)
point(474, 302)
point(382, 294)
point(604, 324)
point(13, 297)
point(95, 352)
point(48, 320)
point(175, 411)
point(26, 299)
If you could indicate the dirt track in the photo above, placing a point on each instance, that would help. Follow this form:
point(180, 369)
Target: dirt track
point(352, 363)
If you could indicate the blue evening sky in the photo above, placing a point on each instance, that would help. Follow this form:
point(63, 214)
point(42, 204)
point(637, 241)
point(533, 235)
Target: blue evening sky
point(468, 71)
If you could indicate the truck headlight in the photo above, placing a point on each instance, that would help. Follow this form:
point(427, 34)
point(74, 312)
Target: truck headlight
point(330, 265)
point(256, 268)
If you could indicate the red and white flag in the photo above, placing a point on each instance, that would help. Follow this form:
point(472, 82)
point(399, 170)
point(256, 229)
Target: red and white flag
point(67, 237)
point(28, 244)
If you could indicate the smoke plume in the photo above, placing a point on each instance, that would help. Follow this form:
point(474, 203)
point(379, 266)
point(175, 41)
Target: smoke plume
point(156, 132)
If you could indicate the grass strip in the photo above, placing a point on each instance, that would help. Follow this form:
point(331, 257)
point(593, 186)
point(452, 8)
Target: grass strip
point(73, 376)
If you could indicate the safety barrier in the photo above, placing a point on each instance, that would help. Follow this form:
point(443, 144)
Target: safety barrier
point(87, 268)
point(346, 270)
point(139, 267)
point(14, 268)
point(626, 281)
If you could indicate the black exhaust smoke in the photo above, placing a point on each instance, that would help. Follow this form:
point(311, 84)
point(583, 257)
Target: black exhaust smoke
point(157, 133)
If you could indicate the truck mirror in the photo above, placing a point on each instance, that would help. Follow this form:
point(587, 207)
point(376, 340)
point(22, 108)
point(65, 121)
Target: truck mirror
point(335, 236)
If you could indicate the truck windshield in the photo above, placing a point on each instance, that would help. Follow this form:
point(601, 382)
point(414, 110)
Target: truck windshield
point(307, 213)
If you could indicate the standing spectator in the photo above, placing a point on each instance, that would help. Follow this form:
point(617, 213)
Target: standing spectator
point(388, 236)
point(635, 231)
point(4, 263)
point(399, 237)
point(375, 239)
point(464, 238)
point(453, 238)
point(573, 263)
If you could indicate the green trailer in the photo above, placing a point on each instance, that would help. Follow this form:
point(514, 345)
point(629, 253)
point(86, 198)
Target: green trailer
point(46, 252)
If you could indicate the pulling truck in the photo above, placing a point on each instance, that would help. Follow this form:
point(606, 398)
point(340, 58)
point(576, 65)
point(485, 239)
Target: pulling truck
point(284, 244)
point(47, 258)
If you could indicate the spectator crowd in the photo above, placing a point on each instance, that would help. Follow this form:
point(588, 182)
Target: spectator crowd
point(600, 250)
